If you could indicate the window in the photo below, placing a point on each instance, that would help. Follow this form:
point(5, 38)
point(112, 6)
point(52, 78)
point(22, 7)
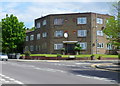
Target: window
point(82, 33)
point(26, 48)
point(27, 38)
point(58, 33)
point(38, 25)
point(44, 22)
point(38, 36)
point(100, 45)
point(81, 20)
point(44, 45)
point(31, 37)
point(58, 21)
point(44, 34)
point(31, 48)
point(99, 21)
point(37, 48)
point(58, 46)
point(100, 33)
point(109, 46)
point(83, 45)
point(109, 36)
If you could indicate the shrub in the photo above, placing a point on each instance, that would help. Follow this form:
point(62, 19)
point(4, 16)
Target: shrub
point(119, 56)
point(62, 49)
point(59, 55)
point(27, 53)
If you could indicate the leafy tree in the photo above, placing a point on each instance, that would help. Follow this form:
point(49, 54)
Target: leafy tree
point(31, 29)
point(113, 27)
point(0, 36)
point(77, 48)
point(13, 34)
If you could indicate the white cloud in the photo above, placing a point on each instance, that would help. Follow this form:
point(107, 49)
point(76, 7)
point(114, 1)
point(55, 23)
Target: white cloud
point(31, 11)
point(58, 0)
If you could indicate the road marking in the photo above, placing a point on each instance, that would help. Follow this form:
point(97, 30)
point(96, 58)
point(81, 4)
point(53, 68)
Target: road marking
point(49, 69)
point(9, 79)
point(98, 78)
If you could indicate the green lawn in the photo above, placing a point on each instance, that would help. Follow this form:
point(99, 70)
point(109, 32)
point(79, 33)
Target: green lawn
point(78, 56)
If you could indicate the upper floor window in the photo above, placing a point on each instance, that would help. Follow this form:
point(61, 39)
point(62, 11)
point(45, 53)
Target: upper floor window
point(38, 25)
point(44, 22)
point(99, 21)
point(27, 38)
point(109, 46)
point(58, 21)
point(100, 45)
point(38, 36)
point(81, 20)
point(31, 37)
point(83, 45)
point(44, 34)
point(58, 46)
point(100, 33)
point(82, 33)
point(58, 33)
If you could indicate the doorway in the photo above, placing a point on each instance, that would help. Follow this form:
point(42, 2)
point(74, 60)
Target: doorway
point(69, 49)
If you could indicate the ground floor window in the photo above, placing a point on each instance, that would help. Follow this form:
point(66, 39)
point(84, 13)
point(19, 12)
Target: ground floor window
point(58, 46)
point(31, 48)
point(26, 48)
point(109, 46)
point(83, 45)
point(100, 45)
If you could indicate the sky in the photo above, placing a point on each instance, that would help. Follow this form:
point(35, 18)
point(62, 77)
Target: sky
point(27, 11)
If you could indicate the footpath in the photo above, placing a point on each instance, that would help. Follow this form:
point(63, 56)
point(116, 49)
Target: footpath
point(109, 66)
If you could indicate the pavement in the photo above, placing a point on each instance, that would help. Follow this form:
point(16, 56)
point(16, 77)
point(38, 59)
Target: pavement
point(109, 66)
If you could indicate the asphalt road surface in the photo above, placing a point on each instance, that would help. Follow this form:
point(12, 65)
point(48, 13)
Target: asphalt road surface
point(55, 72)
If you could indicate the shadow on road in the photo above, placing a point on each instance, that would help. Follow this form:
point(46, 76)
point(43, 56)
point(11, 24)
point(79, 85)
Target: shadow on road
point(98, 73)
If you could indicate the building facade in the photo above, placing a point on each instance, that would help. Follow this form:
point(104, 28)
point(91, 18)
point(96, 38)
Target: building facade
point(57, 31)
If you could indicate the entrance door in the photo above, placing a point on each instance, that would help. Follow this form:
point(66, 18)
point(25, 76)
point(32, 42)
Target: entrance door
point(70, 49)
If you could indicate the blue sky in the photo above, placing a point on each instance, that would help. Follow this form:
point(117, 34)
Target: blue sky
point(28, 11)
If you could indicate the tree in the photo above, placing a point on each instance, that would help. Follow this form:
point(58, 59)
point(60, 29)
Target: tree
point(13, 34)
point(112, 28)
point(0, 37)
point(77, 48)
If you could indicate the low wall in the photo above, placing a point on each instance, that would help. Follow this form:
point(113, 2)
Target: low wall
point(60, 58)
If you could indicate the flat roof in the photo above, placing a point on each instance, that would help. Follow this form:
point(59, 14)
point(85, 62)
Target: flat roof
point(72, 14)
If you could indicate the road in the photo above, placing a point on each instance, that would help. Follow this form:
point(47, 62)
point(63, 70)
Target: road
point(55, 72)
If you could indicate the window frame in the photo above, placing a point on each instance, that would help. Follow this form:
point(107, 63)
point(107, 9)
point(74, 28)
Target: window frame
point(31, 37)
point(99, 20)
point(85, 45)
point(82, 20)
point(101, 45)
point(38, 25)
point(58, 21)
point(60, 33)
point(27, 38)
point(100, 33)
point(44, 22)
point(38, 37)
point(56, 46)
point(109, 46)
point(83, 33)
point(44, 34)
point(31, 48)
